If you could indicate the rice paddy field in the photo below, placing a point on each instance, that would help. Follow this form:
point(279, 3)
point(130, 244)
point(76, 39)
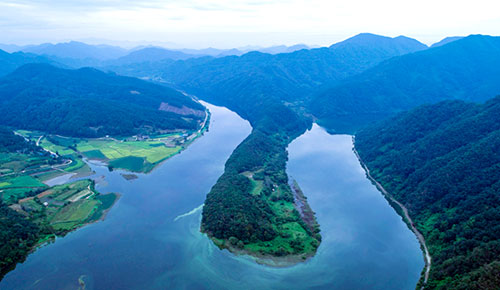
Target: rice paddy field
point(129, 153)
point(135, 156)
point(152, 151)
point(126, 153)
point(58, 149)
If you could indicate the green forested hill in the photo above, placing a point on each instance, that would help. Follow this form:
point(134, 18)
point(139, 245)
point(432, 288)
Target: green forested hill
point(466, 69)
point(11, 61)
point(442, 162)
point(89, 103)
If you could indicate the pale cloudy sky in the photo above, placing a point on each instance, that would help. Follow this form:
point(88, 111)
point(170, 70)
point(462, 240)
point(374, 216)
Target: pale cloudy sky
point(236, 23)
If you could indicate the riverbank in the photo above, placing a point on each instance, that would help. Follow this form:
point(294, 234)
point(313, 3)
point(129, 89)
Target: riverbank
point(405, 215)
point(139, 153)
point(262, 258)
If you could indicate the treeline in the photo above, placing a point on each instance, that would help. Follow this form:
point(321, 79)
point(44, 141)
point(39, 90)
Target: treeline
point(89, 103)
point(9, 142)
point(18, 235)
point(442, 162)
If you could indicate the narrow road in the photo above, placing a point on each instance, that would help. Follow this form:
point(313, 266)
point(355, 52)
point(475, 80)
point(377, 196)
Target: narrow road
point(51, 168)
point(420, 237)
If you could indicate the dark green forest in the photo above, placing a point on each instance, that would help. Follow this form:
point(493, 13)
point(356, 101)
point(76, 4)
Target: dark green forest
point(10, 143)
point(18, 235)
point(89, 103)
point(442, 162)
point(466, 69)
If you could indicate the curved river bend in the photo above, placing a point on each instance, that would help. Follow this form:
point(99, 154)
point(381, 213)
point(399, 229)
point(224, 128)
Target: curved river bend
point(151, 240)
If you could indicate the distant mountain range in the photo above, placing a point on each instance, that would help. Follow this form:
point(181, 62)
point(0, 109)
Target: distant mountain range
point(364, 78)
point(11, 61)
point(244, 81)
point(446, 41)
point(466, 69)
point(76, 50)
point(367, 41)
point(91, 103)
point(78, 54)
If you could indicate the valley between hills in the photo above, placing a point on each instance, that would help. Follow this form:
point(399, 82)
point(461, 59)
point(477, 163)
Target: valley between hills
point(426, 128)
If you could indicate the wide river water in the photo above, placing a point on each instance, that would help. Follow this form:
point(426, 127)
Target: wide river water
point(151, 240)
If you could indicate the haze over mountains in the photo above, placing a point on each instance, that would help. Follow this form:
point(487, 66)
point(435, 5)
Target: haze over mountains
point(367, 76)
point(77, 54)
point(255, 77)
point(350, 84)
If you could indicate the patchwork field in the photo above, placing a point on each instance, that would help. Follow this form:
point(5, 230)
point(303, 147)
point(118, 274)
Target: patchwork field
point(128, 153)
point(152, 151)
point(67, 207)
point(136, 153)
point(136, 156)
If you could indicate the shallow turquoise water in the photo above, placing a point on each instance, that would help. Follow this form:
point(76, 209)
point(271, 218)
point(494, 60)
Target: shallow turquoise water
point(151, 238)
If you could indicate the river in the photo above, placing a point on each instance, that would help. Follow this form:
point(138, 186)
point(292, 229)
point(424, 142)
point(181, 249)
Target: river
point(151, 240)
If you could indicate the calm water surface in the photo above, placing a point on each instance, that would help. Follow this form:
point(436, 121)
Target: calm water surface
point(150, 238)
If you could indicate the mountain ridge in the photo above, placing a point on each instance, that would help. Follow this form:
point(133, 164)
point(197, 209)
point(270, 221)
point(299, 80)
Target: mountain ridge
point(465, 69)
point(89, 103)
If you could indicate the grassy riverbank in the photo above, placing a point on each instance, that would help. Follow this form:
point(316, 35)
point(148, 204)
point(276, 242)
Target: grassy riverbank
point(134, 153)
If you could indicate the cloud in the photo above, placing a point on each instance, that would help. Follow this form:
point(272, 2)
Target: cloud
point(233, 22)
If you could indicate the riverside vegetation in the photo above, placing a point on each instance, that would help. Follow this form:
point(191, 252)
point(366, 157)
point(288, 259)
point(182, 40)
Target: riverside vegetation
point(33, 213)
point(441, 161)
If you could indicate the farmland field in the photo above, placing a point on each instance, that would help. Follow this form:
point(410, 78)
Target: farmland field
point(69, 206)
point(60, 150)
point(20, 181)
point(153, 151)
point(127, 153)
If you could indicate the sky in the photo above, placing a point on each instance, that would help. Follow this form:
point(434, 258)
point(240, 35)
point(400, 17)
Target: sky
point(238, 23)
